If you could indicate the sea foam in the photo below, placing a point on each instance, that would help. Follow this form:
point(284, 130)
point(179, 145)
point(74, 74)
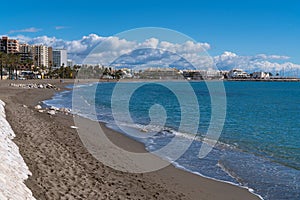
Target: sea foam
point(13, 169)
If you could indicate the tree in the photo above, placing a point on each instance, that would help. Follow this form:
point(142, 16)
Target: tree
point(29, 63)
point(9, 64)
point(17, 62)
point(119, 74)
point(50, 69)
point(2, 62)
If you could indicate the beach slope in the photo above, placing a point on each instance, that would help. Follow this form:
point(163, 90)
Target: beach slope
point(63, 169)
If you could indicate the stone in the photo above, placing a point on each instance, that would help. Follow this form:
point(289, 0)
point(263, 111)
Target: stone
point(38, 107)
point(51, 112)
point(54, 108)
point(64, 110)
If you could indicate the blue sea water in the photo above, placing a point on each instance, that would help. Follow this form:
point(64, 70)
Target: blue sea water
point(259, 147)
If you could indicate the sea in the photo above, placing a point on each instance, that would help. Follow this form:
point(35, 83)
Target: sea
point(259, 144)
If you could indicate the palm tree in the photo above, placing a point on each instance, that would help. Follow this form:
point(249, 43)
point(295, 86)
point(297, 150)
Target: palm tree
point(12, 61)
point(17, 62)
point(29, 63)
point(8, 64)
point(2, 61)
point(50, 69)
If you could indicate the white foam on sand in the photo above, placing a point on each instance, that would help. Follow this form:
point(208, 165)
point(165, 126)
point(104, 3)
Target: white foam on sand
point(13, 169)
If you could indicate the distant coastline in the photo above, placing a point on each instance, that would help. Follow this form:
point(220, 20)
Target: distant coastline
point(267, 80)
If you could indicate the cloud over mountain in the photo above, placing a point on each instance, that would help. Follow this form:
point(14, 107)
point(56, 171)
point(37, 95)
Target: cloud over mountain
point(105, 50)
point(261, 62)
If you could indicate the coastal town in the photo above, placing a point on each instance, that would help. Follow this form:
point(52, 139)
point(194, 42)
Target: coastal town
point(150, 100)
point(20, 61)
point(24, 61)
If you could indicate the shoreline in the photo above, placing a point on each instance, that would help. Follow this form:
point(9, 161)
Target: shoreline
point(169, 182)
point(174, 164)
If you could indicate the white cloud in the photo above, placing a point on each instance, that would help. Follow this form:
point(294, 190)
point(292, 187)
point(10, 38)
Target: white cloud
point(61, 27)
point(26, 30)
point(187, 47)
point(163, 53)
point(261, 62)
point(150, 43)
point(271, 57)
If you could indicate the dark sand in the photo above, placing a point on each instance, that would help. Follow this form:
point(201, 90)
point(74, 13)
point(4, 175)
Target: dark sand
point(63, 169)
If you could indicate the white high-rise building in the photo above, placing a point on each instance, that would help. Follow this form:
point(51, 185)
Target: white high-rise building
point(40, 55)
point(60, 58)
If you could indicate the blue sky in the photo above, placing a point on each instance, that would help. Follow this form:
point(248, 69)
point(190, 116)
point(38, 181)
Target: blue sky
point(243, 27)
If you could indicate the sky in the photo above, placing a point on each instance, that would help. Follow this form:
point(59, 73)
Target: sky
point(243, 29)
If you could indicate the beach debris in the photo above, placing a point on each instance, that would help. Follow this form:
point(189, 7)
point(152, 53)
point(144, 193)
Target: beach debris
point(34, 86)
point(24, 106)
point(51, 112)
point(38, 107)
point(64, 110)
point(74, 127)
point(54, 108)
point(50, 86)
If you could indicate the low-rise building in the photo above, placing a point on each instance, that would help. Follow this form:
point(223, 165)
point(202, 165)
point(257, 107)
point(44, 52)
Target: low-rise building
point(70, 63)
point(238, 73)
point(160, 73)
point(261, 75)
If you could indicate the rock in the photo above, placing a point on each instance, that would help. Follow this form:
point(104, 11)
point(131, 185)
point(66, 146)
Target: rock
point(144, 130)
point(64, 110)
point(33, 86)
point(54, 108)
point(49, 86)
point(38, 107)
point(51, 112)
point(41, 111)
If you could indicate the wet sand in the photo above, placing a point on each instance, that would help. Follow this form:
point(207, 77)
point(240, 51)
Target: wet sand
point(63, 169)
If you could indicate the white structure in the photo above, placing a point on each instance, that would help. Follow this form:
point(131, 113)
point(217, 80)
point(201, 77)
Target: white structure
point(13, 169)
point(70, 63)
point(60, 58)
point(40, 55)
point(261, 75)
point(238, 73)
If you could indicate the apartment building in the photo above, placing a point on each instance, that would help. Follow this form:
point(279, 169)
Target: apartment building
point(40, 55)
point(25, 52)
point(9, 45)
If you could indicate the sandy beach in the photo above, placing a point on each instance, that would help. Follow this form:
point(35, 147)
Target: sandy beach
point(63, 169)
